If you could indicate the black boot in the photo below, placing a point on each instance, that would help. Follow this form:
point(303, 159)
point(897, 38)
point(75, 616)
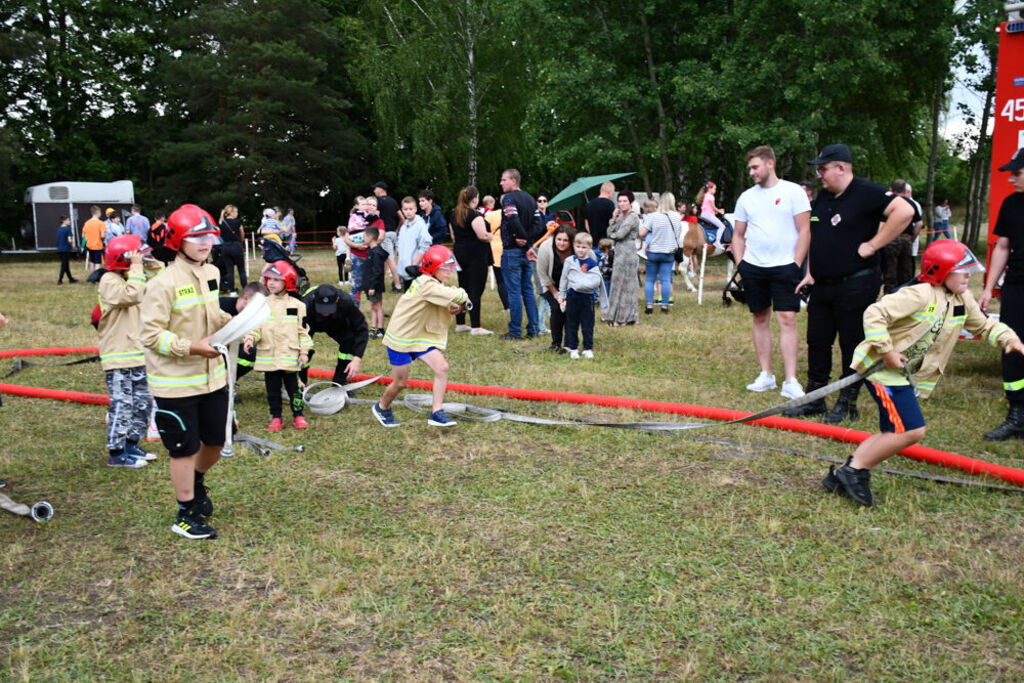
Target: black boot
point(845, 407)
point(813, 408)
point(1012, 427)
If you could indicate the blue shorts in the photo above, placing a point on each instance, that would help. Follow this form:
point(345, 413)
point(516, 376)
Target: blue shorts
point(400, 358)
point(898, 409)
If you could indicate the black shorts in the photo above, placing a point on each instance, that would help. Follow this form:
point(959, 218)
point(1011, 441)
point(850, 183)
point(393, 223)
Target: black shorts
point(187, 423)
point(376, 297)
point(774, 286)
point(95, 256)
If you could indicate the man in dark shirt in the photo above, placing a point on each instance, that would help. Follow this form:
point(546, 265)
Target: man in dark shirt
point(843, 268)
point(898, 266)
point(330, 310)
point(599, 212)
point(521, 226)
point(1008, 253)
point(387, 207)
point(433, 216)
point(64, 249)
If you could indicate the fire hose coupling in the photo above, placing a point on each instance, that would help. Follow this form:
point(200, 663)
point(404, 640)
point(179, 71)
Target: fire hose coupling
point(40, 512)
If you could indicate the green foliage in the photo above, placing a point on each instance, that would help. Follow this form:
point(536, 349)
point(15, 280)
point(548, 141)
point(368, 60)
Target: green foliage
point(445, 86)
point(306, 103)
point(951, 177)
point(255, 116)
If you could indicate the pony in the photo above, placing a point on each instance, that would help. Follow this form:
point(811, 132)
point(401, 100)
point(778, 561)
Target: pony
point(704, 238)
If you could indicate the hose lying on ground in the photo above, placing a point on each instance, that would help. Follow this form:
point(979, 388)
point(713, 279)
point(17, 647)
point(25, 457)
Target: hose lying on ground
point(926, 454)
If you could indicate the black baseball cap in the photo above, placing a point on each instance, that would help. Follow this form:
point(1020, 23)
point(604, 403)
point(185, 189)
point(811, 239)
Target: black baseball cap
point(837, 152)
point(1016, 162)
point(325, 300)
point(381, 184)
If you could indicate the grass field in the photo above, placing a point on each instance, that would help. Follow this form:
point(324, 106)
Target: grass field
point(507, 551)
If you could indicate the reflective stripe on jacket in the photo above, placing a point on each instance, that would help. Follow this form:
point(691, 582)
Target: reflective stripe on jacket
point(284, 336)
point(421, 316)
point(181, 306)
point(120, 296)
point(900, 318)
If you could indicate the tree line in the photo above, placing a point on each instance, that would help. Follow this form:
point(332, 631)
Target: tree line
point(306, 103)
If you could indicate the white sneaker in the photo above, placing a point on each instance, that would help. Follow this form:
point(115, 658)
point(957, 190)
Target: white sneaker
point(791, 388)
point(463, 328)
point(574, 354)
point(587, 353)
point(479, 331)
point(764, 382)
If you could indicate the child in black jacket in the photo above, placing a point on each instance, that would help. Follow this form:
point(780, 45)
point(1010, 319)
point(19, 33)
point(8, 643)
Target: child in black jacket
point(373, 278)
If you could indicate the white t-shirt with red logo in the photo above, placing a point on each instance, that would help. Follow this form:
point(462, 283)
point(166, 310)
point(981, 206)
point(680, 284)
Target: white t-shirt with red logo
point(771, 233)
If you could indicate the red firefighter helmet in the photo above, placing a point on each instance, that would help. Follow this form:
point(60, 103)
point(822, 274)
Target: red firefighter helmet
point(188, 220)
point(281, 270)
point(946, 256)
point(121, 245)
point(436, 257)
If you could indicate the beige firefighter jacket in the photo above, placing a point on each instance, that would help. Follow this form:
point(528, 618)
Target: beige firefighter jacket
point(181, 306)
point(120, 312)
point(901, 318)
point(283, 337)
point(421, 317)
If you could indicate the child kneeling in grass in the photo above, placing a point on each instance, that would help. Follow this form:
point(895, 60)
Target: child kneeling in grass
point(419, 330)
point(924, 320)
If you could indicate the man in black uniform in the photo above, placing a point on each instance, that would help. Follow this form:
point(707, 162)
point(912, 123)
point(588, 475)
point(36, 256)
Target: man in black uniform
point(843, 269)
point(1009, 253)
point(330, 310)
point(898, 256)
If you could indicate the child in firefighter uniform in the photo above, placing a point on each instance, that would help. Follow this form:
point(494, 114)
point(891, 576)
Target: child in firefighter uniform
point(121, 355)
point(180, 311)
point(913, 331)
point(419, 331)
point(282, 343)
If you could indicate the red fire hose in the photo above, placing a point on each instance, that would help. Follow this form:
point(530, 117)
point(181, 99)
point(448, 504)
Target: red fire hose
point(932, 456)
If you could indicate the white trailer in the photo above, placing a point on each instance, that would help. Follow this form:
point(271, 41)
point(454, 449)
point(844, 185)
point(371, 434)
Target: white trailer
point(45, 204)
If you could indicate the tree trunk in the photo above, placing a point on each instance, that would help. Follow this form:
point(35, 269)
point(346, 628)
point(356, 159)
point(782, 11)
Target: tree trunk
point(635, 138)
point(972, 181)
point(982, 156)
point(937, 100)
point(666, 169)
point(471, 90)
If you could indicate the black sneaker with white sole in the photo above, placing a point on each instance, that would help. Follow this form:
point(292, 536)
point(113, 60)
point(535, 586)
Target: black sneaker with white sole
point(193, 527)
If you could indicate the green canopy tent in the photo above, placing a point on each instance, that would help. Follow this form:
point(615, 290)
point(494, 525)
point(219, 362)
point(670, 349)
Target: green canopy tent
point(576, 194)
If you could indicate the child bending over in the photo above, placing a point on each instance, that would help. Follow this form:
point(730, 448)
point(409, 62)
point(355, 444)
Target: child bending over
point(282, 344)
point(924, 320)
point(419, 329)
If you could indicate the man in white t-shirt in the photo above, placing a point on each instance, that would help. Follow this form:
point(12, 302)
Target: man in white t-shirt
point(772, 235)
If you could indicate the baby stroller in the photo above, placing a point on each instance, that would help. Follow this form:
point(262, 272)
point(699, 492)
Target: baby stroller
point(272, 250)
